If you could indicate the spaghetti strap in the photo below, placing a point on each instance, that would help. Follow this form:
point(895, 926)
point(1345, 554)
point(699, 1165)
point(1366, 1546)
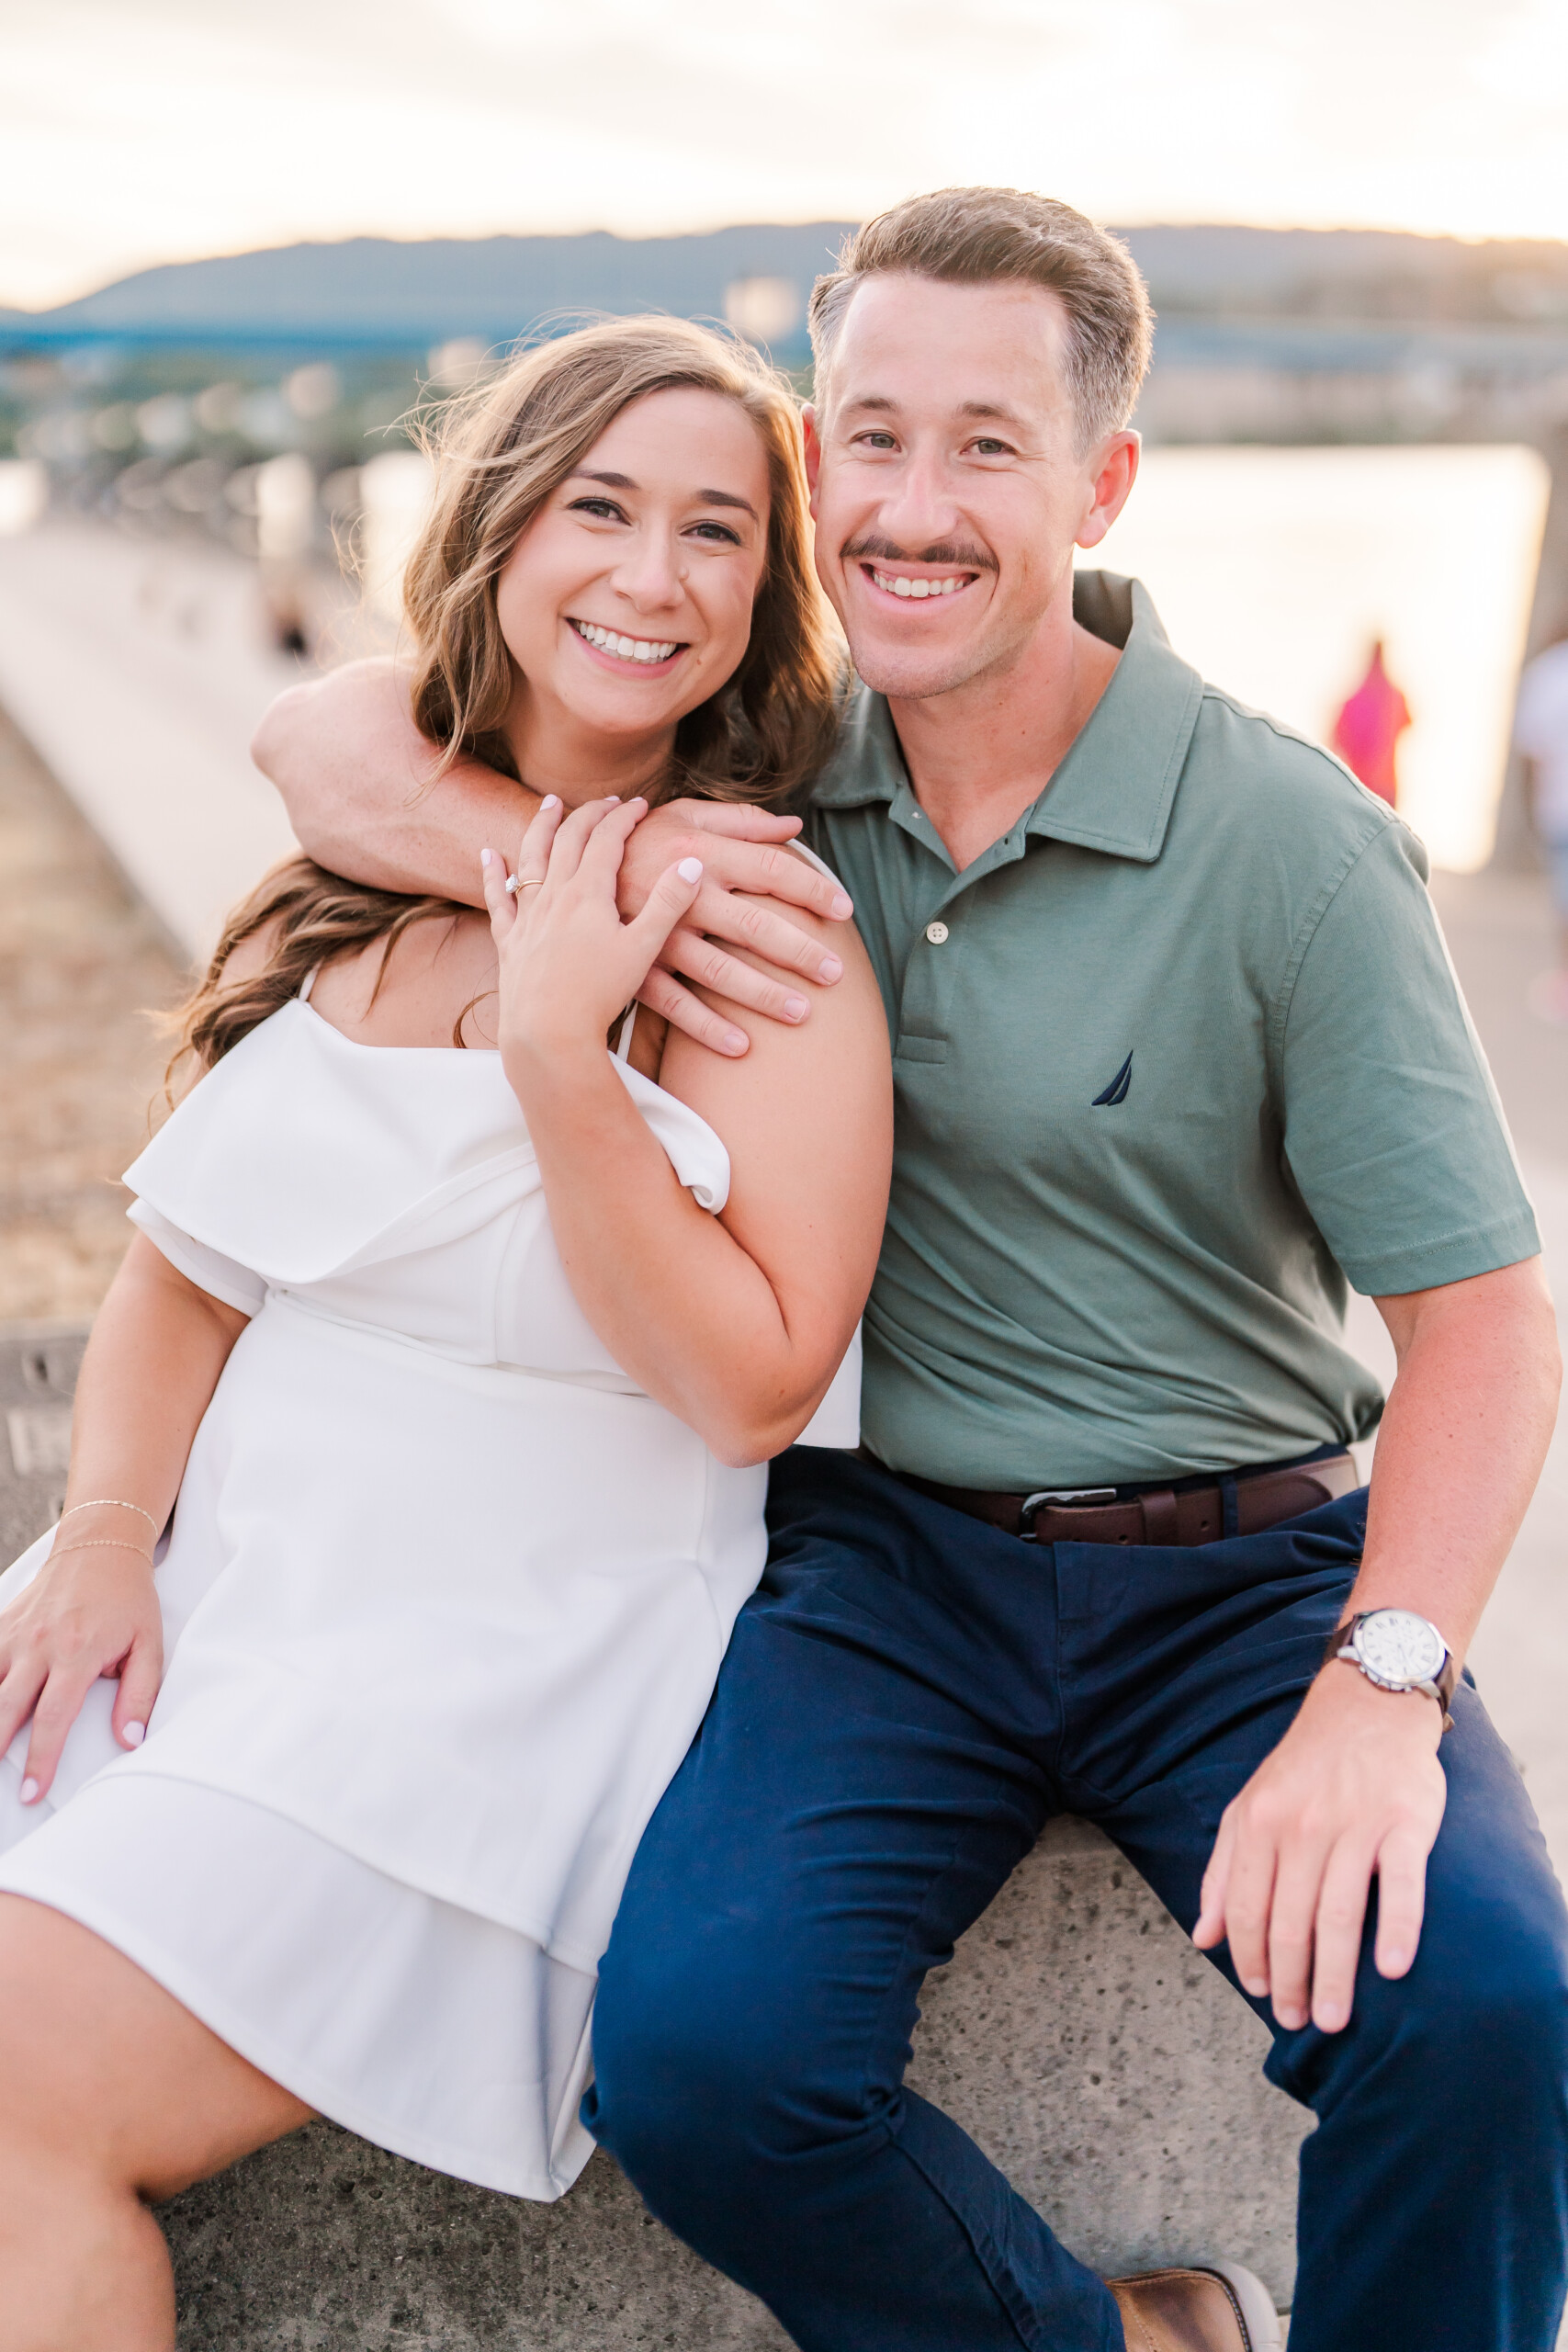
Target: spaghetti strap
point(624, 1042)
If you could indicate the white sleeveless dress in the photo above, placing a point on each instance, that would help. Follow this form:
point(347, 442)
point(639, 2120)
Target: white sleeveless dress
point(444, 1595)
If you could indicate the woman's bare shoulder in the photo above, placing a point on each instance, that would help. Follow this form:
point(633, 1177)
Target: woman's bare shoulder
point(438, 973)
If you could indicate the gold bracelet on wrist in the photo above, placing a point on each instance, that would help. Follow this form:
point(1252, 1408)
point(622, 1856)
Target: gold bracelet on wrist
point(101, 1544)
point(109, 1502)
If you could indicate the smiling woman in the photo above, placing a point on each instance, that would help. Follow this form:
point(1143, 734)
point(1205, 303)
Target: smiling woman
point(565, 543)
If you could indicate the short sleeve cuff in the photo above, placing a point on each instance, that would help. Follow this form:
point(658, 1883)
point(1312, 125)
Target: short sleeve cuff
point(1455, 1257)
point(221, 1277)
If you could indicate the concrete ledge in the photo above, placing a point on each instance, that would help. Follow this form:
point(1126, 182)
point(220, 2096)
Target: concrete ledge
point(1096, 2057)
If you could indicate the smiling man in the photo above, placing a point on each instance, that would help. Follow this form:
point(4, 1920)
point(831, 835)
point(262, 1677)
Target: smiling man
point(1177, 1053)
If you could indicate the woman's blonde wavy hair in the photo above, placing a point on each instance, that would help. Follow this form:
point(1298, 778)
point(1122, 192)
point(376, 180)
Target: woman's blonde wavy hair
point(499, 453)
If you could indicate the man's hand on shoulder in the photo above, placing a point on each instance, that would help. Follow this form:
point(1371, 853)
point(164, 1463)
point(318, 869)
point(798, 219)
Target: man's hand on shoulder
point(750, 880)
point(354, 771)
point(1353, 1790)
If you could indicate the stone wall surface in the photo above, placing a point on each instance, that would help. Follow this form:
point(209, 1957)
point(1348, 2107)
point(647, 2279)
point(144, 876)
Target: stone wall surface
point(1107, 2069)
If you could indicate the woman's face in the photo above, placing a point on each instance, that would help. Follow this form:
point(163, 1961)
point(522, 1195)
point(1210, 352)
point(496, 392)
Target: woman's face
point(627, 600)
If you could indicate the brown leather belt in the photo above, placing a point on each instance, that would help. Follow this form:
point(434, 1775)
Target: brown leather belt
point(1192, 1511)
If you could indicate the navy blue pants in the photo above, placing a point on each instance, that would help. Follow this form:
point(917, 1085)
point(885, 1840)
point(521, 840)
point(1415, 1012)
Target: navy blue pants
point(908, 1697)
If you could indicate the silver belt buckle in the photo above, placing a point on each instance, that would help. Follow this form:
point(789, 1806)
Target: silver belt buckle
point(1059, 1495)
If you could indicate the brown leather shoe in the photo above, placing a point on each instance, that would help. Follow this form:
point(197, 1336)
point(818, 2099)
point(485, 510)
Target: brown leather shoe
point(1222, 2310)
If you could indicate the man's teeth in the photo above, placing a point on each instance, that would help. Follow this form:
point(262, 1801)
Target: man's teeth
point(630, 648)
point(899, 583)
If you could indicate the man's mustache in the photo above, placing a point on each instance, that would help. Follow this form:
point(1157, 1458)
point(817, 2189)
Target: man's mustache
point(870, 545)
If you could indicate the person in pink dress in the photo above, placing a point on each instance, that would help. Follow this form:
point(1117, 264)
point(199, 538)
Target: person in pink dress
point(1367, 731)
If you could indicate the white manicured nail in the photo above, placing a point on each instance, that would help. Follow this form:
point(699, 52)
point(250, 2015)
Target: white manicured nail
point(134, 1734)
point(485, 858)
point(550, 800)
point(690, 869)
point(29, 1791)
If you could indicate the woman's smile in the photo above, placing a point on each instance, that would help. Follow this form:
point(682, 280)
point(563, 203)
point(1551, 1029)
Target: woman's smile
point(614, 646)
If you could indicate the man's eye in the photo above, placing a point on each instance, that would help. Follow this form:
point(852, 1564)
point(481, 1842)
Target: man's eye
point(986, 447)
point(878, 441)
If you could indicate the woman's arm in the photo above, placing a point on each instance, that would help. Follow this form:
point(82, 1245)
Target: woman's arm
point(152, 1362)
point(736, 1323)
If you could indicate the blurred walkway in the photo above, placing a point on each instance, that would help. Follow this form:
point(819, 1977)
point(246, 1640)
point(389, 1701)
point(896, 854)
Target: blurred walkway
point(80, 957)
point(138, 670)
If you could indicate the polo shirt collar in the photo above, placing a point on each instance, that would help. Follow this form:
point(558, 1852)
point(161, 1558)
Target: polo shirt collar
point(1114, 791)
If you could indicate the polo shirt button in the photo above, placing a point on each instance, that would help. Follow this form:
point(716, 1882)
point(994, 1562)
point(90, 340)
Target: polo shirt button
point(936, 933)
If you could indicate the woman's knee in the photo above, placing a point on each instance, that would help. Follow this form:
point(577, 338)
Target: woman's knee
point(83, 2263)
point(108, 2067)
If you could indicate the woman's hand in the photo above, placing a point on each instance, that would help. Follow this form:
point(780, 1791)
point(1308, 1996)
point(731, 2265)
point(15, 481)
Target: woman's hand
point(88, 1612)
point(569, 964)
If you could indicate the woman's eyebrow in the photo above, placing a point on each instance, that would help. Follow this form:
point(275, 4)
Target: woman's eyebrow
point(704, 497)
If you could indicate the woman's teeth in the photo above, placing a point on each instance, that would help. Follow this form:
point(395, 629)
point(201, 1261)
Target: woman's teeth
point(630, 649)
point(900, 584)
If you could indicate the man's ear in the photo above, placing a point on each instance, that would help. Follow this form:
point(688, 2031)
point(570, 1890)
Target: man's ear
point(1114, 469)
point(813, 451)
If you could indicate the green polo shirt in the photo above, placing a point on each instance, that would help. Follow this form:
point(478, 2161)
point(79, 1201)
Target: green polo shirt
point(1177, 1057)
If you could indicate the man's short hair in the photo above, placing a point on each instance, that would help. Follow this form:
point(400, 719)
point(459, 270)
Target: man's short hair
point(984, 236)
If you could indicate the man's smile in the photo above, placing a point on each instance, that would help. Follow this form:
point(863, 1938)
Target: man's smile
point(906, 584)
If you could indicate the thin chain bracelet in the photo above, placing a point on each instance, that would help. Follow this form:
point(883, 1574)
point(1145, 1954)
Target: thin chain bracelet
point(109, 1502)
point(102, 1544)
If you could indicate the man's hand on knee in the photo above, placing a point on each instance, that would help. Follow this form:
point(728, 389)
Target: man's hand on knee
point(1354, 1789)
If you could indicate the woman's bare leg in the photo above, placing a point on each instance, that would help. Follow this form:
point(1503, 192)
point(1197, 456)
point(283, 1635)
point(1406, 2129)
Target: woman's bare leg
point(110, 2094)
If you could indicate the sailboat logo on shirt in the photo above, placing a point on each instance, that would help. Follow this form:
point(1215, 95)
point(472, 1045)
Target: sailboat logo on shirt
point(1117, 1090)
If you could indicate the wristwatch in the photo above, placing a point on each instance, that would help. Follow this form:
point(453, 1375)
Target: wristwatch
point(1399, 1651)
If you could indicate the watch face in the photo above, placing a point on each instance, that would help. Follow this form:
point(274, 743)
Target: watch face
point(1398, 1647)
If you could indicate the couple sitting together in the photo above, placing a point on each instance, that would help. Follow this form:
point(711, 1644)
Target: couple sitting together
point(477, 1692)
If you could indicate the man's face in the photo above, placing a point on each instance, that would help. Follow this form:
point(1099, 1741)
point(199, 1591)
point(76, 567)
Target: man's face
point(946, 485)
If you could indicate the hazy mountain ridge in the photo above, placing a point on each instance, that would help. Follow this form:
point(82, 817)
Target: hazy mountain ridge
point(491, 286)
point(370, 289)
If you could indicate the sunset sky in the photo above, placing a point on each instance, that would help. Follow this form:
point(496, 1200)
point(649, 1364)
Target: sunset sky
point(134, 131)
